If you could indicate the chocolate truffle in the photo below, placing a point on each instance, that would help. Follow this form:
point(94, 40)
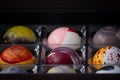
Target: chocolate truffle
point(61, 69)
point(63, 55)
point(106, 35)
point(64, 36)
point(13, 70)
point(19, 34)
point(16, 55)
point(106, 56)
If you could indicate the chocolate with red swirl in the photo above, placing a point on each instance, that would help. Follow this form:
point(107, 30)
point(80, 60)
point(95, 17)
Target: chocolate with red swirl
point(15, 55)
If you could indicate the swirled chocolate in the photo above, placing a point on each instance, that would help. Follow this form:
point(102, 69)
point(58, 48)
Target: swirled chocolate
point(107, 35)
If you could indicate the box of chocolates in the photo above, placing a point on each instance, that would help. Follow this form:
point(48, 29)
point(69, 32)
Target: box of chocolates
point(59, 49)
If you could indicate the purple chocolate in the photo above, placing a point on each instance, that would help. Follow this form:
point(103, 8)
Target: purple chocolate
point(106, 35)
point(63, 55)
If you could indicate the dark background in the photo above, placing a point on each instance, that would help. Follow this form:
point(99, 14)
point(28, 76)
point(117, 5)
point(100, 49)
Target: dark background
point(60, 11)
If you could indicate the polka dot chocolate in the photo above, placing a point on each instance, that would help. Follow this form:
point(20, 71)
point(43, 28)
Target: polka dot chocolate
point(106, 56)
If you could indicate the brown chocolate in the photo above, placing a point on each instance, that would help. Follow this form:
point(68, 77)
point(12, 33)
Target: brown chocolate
point(106, 35)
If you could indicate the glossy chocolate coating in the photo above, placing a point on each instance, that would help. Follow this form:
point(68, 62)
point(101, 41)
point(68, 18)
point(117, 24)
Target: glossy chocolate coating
point(13, 69)
point(63, 55)
point(106, 35)
point(118, 34)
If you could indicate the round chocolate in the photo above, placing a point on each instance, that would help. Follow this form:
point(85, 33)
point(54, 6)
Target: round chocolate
point(106, 35)
point(19, 34)
point(64, 36)
point(15, 54)
point(111, 69)
point(61, 69)
point(63, 55)
point(13, 70)
point(105, 56)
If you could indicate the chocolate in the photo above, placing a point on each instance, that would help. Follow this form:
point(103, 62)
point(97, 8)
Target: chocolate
point(118, 34)
point(13, 70)
point(107, 35)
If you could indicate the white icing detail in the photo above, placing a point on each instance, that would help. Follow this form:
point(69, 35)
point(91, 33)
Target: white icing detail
point(72, 40)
